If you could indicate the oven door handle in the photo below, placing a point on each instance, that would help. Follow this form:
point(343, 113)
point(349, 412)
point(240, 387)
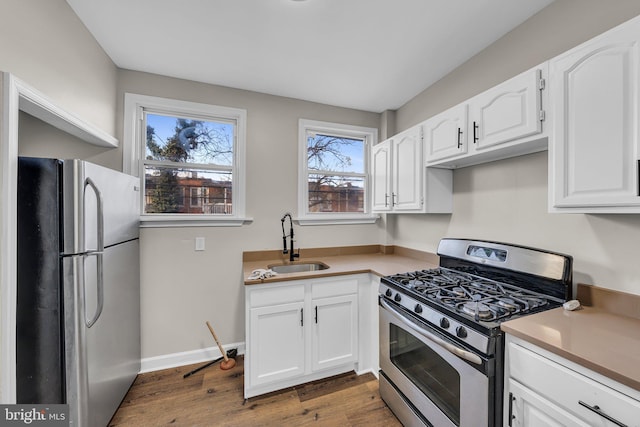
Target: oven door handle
point(463, 354)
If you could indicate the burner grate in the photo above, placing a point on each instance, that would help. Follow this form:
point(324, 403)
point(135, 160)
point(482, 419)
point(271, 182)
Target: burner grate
point(477, 297)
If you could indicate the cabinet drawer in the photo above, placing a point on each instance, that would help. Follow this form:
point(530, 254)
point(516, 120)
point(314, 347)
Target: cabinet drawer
point(271, 295)
point(567, 388)
point(334, 288)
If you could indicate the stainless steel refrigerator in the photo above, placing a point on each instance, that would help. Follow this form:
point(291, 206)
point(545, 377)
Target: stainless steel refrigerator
point(78, 295)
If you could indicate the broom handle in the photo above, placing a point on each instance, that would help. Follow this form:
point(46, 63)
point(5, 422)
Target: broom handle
point(218, 342)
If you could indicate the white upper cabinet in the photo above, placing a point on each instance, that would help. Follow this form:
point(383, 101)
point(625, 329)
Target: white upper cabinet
point(594, 146)
point(504, 121)
point(381, 176)
point(407, 170)
point(446, 134)
point(399, 179)
point(509, 111)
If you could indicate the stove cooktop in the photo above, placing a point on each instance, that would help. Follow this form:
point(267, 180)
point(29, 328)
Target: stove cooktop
point(476, 298)
point(478, 285)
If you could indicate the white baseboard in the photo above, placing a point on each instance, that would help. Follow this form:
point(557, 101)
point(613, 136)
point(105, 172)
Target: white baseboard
point(366, 371)
point(173, 360)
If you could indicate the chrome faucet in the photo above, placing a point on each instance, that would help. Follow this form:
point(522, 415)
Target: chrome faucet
point(292, 255)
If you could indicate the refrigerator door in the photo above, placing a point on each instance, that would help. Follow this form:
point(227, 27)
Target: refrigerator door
point(103, 358)
point(101, 289)
point(39, 311)
point(88, 188)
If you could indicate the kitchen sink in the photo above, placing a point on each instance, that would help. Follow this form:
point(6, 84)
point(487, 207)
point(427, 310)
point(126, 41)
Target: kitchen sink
point(298, 267)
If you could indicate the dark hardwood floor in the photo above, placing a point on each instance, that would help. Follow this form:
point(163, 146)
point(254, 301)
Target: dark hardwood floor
point(213, 397)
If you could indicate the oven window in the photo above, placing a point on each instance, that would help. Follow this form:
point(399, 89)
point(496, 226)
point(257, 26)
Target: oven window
point(436, 378)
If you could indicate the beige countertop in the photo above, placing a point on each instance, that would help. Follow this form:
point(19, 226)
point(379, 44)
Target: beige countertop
point(379, 260)
point(595, 336)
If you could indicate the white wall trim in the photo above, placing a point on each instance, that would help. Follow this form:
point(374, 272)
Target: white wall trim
point(15, 96)
point(38, 105)
point(132, 151)
point(166, 361)
point(8, 233)
point(370, 137)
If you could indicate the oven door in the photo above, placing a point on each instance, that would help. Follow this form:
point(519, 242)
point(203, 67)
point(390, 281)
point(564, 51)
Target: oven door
point(446, 384)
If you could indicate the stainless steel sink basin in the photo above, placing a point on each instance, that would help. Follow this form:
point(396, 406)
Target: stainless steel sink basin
point(298, 267)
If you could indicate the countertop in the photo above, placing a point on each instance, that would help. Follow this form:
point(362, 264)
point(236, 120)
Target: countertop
point(603, 335)
point(379, 260)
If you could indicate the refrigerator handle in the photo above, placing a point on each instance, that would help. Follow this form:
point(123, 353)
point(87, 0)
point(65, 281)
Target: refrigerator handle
point(98, 253)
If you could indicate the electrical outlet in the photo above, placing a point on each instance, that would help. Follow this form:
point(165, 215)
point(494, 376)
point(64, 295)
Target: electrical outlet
point(199, 244)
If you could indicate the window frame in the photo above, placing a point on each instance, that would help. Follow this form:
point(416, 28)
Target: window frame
point(135, 106)
point(370, 137)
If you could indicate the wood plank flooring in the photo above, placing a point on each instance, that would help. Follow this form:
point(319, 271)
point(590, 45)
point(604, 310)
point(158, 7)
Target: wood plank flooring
point(213, 397)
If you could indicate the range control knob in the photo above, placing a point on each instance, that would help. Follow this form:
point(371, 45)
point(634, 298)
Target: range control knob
point(397, 298)
point(418, 308)
point(461, 332)
point(388, 293)
point(444, 322)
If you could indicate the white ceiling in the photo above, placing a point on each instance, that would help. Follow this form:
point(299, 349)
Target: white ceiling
point(371, 55)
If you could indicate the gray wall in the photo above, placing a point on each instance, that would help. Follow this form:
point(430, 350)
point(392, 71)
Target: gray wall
point(45, 45)
point(182, 288)
point(507, 200)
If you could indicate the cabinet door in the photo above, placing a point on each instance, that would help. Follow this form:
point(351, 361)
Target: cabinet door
point(381, 176)
point(446, 134)
point(529, 409)
point(407, 170)
point(506, 112)
point(335, 331)
point(277, 342)
point(594, 144)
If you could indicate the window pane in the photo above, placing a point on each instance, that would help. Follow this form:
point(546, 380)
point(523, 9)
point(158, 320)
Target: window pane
point(180, 139)
point(178, 190)
point(336, 194)
point(332, 153)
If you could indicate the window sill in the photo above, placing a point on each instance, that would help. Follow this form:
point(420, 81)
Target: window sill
point(336, 220)
point(167, 221)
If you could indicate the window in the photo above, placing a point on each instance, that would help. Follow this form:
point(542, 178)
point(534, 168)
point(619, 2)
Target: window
point(334, 167)
point(190, 158)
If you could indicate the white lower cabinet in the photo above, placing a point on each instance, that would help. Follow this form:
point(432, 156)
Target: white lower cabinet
point(335, 331)
point(304, 330)
point(278, 339)
point(530, 409)
point(543, 389)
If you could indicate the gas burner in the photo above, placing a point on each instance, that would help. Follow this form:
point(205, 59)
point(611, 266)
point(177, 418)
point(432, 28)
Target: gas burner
point(415, 283)
point(458, 291)
point(477, 309)
point(508, 303)
point(483, 285)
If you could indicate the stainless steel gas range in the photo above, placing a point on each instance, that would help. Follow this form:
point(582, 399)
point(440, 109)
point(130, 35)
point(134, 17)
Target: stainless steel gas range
point(441, 348)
